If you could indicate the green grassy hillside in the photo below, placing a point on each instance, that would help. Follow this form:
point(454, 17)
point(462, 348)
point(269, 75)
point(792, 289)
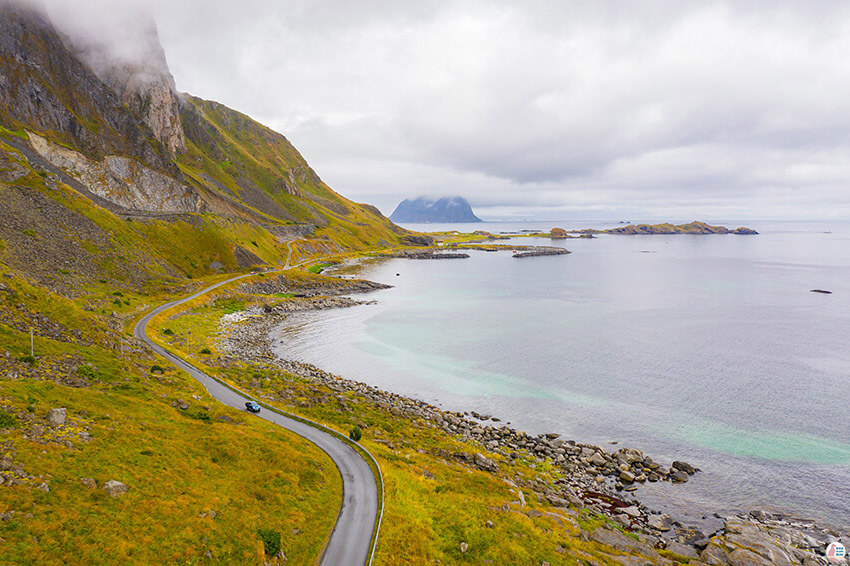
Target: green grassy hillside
point(62, 239)
point(233, 156)
point(180, 453)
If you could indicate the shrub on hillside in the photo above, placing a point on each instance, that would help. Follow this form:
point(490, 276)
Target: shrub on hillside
point(88, 372)
point(355, 434)
point(271, 541)
point(7, 420)
point(200, 415)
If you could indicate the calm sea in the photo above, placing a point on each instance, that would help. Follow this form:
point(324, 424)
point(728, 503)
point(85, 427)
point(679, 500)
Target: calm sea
point(709, 349)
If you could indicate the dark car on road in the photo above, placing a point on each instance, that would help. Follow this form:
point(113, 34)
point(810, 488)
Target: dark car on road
point(252, 406)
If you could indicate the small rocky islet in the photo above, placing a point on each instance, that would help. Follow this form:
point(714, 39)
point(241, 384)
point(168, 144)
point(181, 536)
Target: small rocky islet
point(695, 227)
point(601, 481)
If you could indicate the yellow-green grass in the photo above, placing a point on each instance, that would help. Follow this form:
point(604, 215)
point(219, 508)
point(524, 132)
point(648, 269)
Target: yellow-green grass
point(252, 474)
point(177, 463)
point(190, 248)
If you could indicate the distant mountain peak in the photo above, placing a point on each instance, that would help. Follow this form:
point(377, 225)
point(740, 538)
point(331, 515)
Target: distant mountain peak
point(424, 209)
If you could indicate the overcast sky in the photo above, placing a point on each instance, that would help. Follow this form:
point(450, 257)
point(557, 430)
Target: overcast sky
point(550, 109)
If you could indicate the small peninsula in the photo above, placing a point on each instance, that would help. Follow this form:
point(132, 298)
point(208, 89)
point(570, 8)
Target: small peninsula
point(422, 209)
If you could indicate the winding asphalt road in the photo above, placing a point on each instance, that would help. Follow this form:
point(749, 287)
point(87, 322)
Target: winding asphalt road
point(351, 539)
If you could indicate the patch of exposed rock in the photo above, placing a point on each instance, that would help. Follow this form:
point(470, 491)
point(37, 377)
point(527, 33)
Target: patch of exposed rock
point(541, 251)
point(761, 539)
point(428, 254)
point(120, 180)
point(149, 91)
point(115, 488)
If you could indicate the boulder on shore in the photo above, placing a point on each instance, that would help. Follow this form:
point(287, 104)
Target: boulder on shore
point(685, 467)
point(660, 522)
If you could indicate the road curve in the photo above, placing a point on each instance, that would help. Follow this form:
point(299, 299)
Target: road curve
point(351, 539)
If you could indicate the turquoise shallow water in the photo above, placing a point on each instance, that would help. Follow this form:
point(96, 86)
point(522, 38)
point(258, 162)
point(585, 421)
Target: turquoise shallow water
point(710, 349)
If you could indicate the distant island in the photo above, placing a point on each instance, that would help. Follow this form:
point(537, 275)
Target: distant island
point(422, 209)
point(666, 228)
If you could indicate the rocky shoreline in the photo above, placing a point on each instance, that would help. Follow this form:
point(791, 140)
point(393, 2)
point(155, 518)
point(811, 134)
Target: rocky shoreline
point(593, 477)
point(310, 288)
point(428, 254)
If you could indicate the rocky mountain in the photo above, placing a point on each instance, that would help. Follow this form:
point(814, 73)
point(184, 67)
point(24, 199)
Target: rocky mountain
point(46, 88)
point(105, 138)
point(422, 209)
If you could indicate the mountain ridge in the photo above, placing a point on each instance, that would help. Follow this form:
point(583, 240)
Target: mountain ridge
point(125, 141)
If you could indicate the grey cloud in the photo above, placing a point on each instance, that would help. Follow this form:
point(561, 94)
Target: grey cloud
point(531, 106)
point(109, 33)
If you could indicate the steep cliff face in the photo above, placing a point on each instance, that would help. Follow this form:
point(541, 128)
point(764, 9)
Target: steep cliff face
point(45, 88)
point(142, 82)
point(79, 124)
point(153, 98)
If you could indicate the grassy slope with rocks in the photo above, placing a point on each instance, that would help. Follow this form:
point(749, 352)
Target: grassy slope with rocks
point(63, 240)
point(179, 452)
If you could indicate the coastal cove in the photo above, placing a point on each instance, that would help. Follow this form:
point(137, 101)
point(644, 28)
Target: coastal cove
point(709, 349)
